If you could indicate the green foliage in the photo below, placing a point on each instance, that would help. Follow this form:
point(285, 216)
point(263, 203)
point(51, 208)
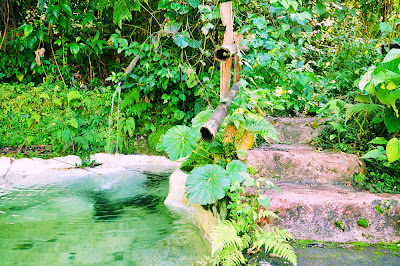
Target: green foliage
point(54, 116)
point(383, 207)
point(362, 222)
point(207, 184)
point(179, 142)
point(340, 225)
point(224, 235)
point(243, 230)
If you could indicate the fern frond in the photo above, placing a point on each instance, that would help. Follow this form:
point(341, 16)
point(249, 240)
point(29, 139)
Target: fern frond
point(334, 107)
point(231, 256)
point(259, 125)
point(246, 240)
point(225, 235)
point(353, 110)
point(274, 240)
point(282, 233)
point(269, 214)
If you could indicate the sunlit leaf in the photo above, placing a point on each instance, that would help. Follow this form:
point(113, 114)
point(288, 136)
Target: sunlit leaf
point(179, 142)
point(67, 10)
point(242, 154)
point(194, 3)
point(249, 182)
point(182, 40)
point(393, 150)
point(234, 169)
point(245, 142)
point(229, 133)
point(378, 140)
point(264, 200)
point(391, 55)
point(207, 184)
point(378, 154)
point(28, 29)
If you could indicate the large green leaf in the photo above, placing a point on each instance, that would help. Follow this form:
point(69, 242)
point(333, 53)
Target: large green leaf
point(234, 169)
point(378, 154)
point(320, 9)
point(264, 200)
point(392, 55)
point(182, 39)
point(392, 122)
point(194, 3)
point(199, 120)
point(179, 142)
point(207, 184)
point(393, 150)
point(28, 29)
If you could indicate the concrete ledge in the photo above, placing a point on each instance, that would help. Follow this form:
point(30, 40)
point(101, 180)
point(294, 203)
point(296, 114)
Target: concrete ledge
point(177, 199)
point(42, 171)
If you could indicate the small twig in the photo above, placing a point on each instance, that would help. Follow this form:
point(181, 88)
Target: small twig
point(6, 26)
point(203, 156)
point(80, 167)
point(201, 148)
point(52, 50)
point(11, 163)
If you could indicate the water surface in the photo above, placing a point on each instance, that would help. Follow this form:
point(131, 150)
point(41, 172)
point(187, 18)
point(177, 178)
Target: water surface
point(97, 220)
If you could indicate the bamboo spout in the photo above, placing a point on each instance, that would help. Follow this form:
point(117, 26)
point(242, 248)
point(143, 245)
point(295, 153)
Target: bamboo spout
point(224, 52)
point(210, 128)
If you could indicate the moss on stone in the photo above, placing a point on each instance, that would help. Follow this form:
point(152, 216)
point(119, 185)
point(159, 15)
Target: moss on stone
point(362, 222)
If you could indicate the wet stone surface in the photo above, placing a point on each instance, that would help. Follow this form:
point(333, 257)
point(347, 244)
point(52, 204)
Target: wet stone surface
point(336, 256)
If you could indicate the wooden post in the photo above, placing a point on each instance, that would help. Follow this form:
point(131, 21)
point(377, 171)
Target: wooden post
point(238, 64)
point(227, 21)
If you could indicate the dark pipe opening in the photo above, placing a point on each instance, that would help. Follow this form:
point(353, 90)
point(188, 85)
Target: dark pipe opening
point(222, 54)
point(206, 135)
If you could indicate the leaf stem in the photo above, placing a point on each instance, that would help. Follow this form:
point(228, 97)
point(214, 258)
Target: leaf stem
point(201, 148)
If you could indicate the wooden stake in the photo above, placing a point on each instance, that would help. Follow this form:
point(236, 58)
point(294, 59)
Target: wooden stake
point(227, 21)
point(225, 77)
point(238, 64)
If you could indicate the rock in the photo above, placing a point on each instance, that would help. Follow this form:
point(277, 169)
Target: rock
point(301, 164)
point(347, 246)
point(316, 245)
point(310, 213)
point(294, 130)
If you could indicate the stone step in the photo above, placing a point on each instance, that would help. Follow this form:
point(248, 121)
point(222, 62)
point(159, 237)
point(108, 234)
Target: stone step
point(296, 130)
point(310, 212)
point(303, 164)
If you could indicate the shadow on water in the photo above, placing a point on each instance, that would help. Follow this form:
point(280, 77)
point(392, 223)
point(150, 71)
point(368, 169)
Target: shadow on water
point(106, 209)
point(155, 179)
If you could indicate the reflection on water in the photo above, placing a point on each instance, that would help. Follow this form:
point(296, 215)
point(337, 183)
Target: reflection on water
point(97, 220)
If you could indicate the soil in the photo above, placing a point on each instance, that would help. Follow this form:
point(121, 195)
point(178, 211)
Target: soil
point(34, 150)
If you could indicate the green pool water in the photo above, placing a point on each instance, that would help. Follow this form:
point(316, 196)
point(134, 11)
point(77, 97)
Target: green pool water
point(97, 220)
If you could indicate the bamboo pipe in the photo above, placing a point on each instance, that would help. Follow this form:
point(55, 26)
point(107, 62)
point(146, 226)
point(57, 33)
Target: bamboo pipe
point(210, 129)
point(224, 52)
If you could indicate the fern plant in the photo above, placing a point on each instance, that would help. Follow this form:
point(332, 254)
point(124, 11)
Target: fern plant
point(230, 238)
point(246, 227)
